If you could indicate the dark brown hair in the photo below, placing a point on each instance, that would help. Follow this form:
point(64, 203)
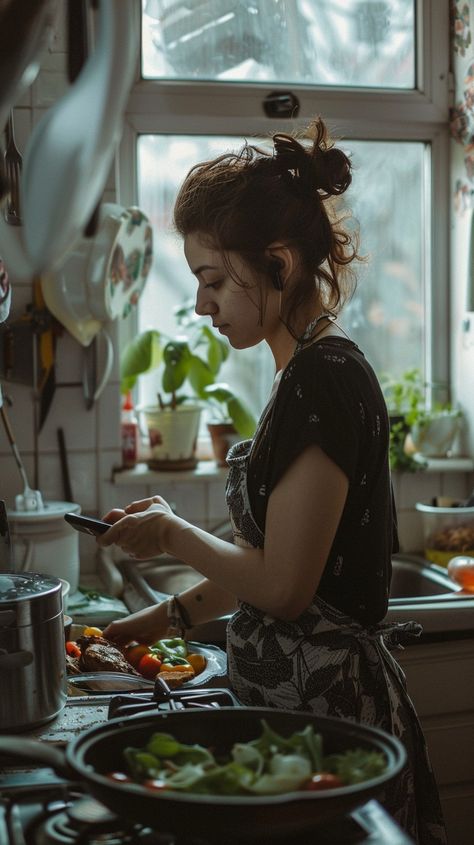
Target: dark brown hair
point(244, 201)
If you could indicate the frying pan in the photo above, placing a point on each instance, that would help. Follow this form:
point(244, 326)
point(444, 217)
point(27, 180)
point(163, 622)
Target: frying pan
point(99, 750)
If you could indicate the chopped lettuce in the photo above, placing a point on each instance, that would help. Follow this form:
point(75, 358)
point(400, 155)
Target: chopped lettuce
point(268, 765)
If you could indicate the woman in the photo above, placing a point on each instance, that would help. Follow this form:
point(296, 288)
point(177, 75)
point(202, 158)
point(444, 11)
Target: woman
point(310, 498)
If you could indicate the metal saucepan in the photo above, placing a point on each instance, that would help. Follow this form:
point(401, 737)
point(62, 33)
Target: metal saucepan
point(99, 751)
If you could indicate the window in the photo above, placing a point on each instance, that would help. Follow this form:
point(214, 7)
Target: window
point(377, 72)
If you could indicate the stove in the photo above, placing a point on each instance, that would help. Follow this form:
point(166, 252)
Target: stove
point(37, 807)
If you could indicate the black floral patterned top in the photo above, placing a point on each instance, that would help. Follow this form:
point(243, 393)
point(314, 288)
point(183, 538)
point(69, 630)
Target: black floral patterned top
point(329, 395)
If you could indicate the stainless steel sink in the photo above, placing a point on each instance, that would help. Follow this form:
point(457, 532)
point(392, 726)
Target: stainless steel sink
point(414, 578)
point(420, 591)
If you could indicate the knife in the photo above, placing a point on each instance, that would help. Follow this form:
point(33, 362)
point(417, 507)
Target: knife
point(5, 541)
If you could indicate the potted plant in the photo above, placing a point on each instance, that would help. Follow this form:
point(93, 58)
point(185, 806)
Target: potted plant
point(193, 361)
point(417, 424)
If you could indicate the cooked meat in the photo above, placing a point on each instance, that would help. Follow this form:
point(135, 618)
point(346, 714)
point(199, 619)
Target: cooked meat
point(72, 665)
point(84, 642)
point(100, 657)
point(176, 679)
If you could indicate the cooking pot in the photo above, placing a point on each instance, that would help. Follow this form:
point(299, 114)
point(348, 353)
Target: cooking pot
point(43, 542)
point(32, 655)
point(98, 751)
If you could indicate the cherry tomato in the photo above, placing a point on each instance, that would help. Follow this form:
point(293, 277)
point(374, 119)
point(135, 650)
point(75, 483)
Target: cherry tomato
point(73, 649)
point(149, 666)
point(134, 653)
point(156, 784)
point(323, 780)
point(119, 777)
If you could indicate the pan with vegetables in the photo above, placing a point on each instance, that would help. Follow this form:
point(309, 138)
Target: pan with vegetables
point(247, 769)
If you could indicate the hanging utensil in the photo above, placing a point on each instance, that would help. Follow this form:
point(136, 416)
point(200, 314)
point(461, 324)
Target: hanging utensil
point(13, 163)
point(5, 540)
point(45, 377)
point(64, 466)
point(29, 500)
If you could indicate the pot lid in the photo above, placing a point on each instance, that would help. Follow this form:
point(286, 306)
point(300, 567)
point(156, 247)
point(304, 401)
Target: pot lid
point(50, 510)
point(19, 586)
point(28, 598)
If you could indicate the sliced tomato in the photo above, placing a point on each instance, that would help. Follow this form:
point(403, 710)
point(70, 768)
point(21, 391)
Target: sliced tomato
point(135, 652)
point(156, 784)
point(323, 780)
point(149, 666)
point(119, 777)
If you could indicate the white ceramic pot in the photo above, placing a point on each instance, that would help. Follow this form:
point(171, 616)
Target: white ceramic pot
point(173, 436)
point(42, 541)
point(434, 437)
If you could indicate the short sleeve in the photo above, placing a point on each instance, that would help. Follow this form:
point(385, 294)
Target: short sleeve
point(317, 404)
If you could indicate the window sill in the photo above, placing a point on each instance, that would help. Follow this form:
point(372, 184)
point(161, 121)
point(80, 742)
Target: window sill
point(454, 464)
point(141, 474)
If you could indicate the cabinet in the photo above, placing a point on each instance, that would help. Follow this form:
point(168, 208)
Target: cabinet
point(440, 680)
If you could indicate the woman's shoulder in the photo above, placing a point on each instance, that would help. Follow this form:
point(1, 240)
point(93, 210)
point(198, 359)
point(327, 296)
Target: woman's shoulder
point(334, 366)
point(327, 355)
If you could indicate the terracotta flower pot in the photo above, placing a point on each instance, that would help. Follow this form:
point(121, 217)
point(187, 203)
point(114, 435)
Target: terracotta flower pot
point(223, 436)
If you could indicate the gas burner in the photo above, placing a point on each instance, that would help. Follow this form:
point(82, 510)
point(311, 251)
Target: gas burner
point(164, 698)
point(87, 822)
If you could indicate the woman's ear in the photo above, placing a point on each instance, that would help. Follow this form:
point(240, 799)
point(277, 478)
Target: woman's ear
point(280, 264)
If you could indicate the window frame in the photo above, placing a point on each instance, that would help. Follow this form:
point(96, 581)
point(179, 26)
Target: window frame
point(421, 114)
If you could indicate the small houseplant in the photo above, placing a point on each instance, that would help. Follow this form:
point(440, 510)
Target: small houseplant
point(417, 425)
point(189, 365)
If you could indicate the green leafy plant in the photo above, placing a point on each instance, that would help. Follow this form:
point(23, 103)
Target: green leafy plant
point(410, 407)
point(189, 365)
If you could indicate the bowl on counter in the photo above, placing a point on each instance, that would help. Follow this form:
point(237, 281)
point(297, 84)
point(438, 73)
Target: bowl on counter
point(448, 531)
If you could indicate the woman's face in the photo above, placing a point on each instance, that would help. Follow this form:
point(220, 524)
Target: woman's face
point(233, 306)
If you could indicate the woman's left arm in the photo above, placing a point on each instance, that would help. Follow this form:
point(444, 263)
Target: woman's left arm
point(303, 513)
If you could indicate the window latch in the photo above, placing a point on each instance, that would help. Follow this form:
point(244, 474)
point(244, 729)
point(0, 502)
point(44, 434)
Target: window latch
point(281, 104)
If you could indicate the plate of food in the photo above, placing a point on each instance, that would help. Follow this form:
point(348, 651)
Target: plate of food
point(94, 663)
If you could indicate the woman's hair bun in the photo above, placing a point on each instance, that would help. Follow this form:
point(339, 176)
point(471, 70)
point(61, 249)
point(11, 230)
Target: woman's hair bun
point(321, 167)
point(333, 171)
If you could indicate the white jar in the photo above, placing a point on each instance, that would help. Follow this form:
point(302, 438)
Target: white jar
point(42, 541)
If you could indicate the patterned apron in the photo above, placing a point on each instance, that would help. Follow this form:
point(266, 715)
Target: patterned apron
point(326, 663)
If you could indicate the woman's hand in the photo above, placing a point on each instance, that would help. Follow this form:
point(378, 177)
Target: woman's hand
point(145, 626)
point(139, 529)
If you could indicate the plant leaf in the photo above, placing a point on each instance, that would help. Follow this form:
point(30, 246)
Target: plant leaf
point(217, 350)
point(199, 375)
point(142, 354)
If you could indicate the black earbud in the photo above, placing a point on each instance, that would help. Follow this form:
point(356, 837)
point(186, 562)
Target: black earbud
point(275, 267)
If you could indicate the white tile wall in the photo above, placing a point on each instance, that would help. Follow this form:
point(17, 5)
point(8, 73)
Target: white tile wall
point(92, 437)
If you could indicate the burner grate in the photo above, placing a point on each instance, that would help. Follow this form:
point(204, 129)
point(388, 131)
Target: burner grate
point(164, 698)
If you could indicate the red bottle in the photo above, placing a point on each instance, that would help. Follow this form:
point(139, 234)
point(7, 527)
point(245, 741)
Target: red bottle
point(129, 433)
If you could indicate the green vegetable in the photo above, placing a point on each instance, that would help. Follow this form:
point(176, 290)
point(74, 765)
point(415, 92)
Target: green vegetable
point(175, 647)
point(356, 766)
point(268, 765)
point(175, 661)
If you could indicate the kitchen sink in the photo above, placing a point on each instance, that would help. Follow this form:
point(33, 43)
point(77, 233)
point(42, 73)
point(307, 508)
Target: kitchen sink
point(420, 591)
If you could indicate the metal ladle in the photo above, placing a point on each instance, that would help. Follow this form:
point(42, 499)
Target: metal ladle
point(29, 500)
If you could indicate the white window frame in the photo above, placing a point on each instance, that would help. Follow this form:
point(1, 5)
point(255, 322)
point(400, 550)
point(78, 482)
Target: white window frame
point(205, 108)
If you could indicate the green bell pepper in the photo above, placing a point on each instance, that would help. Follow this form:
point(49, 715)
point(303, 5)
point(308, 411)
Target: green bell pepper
point(175, 647)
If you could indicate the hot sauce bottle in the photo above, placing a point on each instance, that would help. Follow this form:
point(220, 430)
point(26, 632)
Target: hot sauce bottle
point(129, 433)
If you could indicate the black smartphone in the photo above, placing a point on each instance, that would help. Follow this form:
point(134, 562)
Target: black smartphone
point(86, 523)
